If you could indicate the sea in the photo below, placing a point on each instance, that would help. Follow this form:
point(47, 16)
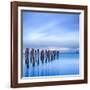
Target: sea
point(66, 64)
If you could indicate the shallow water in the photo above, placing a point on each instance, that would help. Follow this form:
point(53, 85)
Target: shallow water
point(67, 64)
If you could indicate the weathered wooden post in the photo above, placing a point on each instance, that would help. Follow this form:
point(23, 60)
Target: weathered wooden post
point(38, 56)
point(42, 56)
point(32, 57)
point(35, 55)
point(53, 56)
point(57, 54)
point(27, 57)
point(46, 55)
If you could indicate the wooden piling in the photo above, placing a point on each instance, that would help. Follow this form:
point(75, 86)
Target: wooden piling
point(27, 57)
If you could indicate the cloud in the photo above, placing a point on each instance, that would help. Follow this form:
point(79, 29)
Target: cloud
point(42, 39)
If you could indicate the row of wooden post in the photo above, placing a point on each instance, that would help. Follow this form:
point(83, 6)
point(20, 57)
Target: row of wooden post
point(38, 56)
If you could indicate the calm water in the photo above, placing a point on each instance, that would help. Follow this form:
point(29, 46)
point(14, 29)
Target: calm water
point(67, 64)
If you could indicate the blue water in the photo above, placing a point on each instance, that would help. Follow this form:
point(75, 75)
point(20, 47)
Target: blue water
point(67, 64)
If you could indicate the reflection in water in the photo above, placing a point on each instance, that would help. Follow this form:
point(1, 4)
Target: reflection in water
point(27, 73)
point(37, 62)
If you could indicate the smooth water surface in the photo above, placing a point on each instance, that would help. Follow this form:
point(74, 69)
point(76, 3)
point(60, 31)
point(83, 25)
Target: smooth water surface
point(67, 64)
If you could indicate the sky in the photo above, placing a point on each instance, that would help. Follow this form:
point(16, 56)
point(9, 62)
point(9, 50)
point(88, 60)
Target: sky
point(50, 30)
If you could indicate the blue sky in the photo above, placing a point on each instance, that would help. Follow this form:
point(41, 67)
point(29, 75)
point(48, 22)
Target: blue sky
point(48, 30)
